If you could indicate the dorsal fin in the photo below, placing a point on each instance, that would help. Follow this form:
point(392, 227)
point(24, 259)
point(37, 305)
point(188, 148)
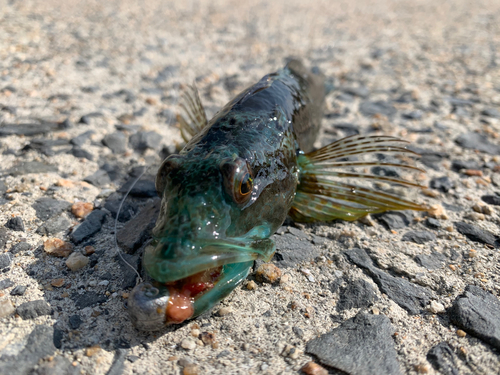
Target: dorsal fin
point(193, 118)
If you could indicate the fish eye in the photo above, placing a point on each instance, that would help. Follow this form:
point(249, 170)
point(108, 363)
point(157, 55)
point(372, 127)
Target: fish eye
point(238, 179)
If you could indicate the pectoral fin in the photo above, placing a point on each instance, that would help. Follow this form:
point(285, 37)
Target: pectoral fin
point(331, 189)
point(193, 118)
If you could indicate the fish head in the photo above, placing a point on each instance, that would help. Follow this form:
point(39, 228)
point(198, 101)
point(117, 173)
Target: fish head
point(217, 211)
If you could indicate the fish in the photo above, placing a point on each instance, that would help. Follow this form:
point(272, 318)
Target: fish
point(237, 179)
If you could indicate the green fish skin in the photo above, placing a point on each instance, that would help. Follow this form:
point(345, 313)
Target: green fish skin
point(233, 184)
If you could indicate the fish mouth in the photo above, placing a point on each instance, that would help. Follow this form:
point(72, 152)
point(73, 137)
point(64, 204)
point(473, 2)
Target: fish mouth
point(186, 286)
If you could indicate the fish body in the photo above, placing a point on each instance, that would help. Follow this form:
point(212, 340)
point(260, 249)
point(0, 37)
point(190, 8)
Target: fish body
point(233, 184)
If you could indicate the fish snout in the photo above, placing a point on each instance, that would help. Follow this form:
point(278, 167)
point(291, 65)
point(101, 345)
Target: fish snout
point(147, 306)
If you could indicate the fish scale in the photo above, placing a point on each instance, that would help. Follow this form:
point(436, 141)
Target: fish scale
point(236, 180)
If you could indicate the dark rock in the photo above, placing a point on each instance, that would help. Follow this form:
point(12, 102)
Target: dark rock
point(4, 236)
point(47, 207)
point(409, 296)
point(460, 111)
point(118, 363)
point(432, 223)
point(291, 251)
point(92, 224)
point(75, 321)
point(141, 112)
point(362, 345)
point(478, 142)
point(413, 115)
point(491, 199)
point(45, 146)
point(357, 293)
point(443, 184)
point(361, 91)
point(144, 140)
point(298, 332)
point(78, 152)
point(38, 346)
point(143, 188)
point(114, 171)
point(419, 237)
point(126, 212)
point(33, 309)
point(99, 178)
point(385, 171)
point(89, 89)
point(20, 247)
point(15, 223)
point(116, 141)
point(433, 261)
point(27, 129)
point(54, 225)
point(138, 230)
point(86, 119)
point(393, 220)
point(345, 98)
point(80, 139)
point(66, 124)
point(19, 290)
point(132, 358)
point(478, 313)
point(348, 129)
point(57, 337)
point(129, 274)
point(370, 109)
point(6, 283)
point(458, 165)
point(87, 299)
point(477, 234)
point(491, 112)
point(442, 358)
point(5, 260)
point(31, 167)
point(457, 102)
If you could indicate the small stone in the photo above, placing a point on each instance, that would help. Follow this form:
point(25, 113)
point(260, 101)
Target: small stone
point(188, 344)
point(99, 178)
point(57, 247)
point(6, 283)
point(195, 332)
point(491, 199)
point(443, 184)
point(33, 309)
point(436, 211)
point(116, 141)
point(422, 368)
point(477, 234)
point(432, 223)
point(78, 152)
point(141, 141)
point(474, 216)
point(82, 209)
point(251, 285)
point(75, 321)
point(57, 283)
point(436, 307)
point(208, 338)
point(311, 368)
point(15, 223)
point(442, 359)
point(92, 224)
point(5, 260)
point(357, 293)
point(478, 142)
point(87, 299)
point(225, 311)
point(370, 109)
point(461, 333)
point(268, 273)
point(76, 261)
point(19, 290)
point(53, 226)
point(47, 207)
point(6, 308)
point(393, 220)
point(419, 237)
point(93, 350)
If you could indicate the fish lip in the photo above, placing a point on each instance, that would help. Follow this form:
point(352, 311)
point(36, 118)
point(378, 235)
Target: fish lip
point(212, 253)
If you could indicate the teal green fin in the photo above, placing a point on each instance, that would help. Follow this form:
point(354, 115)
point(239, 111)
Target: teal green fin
point(193, 118)
point(330, 188)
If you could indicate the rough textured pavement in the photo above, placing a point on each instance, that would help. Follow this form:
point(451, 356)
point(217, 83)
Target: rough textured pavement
point(88, 95)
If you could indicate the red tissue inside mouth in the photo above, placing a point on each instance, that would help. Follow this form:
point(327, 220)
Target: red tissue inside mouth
point(184, 292)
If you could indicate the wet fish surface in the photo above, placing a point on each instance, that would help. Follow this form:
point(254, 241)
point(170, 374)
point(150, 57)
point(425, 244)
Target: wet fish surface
point(236, 180)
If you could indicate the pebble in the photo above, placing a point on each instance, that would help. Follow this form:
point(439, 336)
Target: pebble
point(76, 261)
point(53, 226)
point(443, 359)
point(393, 220)
point(437, 212)
point(19, 290)
point(6, 308)
point(476, 141)
point(5, 260)
point(82, 209)
point(58, 282)
point(141, 141)
point(33, 309)
point(293, 249)
point(57, 247)
point(419, 237)
point(116, 142)
point(311, 368)
point(444, 184)
point(251, 285)
point(357, 293)
point(47, 207)
point(491, 199)
point(436, 307)
point(370, 109)
point(15, 223)
point(92, 224)
point(461, 333)
point(99, 178)
point(93, 350)
point(477, 234)
point(188, 344)
point(225, 311)
point(268, 273)
point(75, 321)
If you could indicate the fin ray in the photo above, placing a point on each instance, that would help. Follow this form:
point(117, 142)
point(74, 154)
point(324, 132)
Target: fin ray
point(193, 118)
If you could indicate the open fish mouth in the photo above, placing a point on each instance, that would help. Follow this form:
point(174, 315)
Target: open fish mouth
point(190, 285)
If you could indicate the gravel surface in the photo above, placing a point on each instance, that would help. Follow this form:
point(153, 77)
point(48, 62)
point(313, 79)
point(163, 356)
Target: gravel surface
point(88, 97)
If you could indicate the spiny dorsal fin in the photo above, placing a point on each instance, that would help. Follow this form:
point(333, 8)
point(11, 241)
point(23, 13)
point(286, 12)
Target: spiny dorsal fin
point(193, 118)
point(330, 189)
